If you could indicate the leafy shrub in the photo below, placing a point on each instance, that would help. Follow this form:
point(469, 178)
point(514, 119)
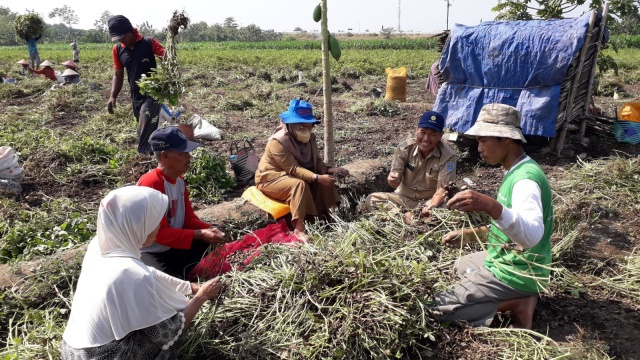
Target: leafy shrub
point(207, 178)
point(377, 107)
point(57, 225)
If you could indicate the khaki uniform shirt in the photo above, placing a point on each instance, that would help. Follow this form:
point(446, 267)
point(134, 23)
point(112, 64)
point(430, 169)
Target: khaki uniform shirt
point(422, 176)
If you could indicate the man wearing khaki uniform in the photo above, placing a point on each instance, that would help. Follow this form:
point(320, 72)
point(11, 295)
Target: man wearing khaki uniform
point(420, 168)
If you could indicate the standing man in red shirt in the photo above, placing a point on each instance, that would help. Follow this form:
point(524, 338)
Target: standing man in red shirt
point(183, 238)
point(137, 55)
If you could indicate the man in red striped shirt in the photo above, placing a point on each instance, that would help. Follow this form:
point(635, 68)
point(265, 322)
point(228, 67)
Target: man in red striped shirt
point(137, 55)
point(183, 238)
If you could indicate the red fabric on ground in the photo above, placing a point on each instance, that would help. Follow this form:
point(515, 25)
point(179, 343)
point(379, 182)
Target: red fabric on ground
point(216, 262)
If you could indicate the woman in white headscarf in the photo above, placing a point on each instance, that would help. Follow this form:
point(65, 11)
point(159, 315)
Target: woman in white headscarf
point(121, 308)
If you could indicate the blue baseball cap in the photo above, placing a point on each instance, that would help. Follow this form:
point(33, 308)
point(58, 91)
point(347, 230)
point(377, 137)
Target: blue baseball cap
point(432, 120)
point(299, 112)
point(170, 138)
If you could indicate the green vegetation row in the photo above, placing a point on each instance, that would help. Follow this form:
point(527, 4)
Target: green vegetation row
point(621, 41)
point(375, 44)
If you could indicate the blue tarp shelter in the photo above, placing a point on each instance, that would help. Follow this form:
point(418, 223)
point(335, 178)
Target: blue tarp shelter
point(519, 63)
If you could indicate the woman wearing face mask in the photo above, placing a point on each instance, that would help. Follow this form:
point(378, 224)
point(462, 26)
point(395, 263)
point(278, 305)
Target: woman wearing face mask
point(292, 171)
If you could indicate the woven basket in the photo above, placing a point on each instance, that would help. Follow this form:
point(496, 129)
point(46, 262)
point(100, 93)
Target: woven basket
point(245, 163)
point(627, 131)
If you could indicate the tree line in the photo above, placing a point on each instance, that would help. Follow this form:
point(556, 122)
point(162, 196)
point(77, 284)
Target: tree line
point(63, 20)
point(624, 19)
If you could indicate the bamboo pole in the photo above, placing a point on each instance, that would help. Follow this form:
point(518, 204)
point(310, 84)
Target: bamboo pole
point(559, 144)
point(583, 123)
point(329, 148)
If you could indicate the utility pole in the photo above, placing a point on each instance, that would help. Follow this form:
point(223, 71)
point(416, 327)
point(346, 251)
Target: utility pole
point(399, 1)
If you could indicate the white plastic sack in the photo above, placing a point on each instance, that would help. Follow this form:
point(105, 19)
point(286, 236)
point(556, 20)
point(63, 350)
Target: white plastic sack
point(202, 129)
point(9, 167)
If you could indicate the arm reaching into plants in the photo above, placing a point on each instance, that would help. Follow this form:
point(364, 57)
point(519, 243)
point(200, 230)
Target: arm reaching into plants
point(459, 238)
point(206, 291)
point(116, 86)
point(522, 223)
point(470, 200)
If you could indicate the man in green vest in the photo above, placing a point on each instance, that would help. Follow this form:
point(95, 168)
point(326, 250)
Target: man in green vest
point(514, 269)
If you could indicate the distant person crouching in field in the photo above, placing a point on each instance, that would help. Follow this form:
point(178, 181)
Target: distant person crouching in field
point(137, 55)
point(121, 308)
point(292, 171)
point(70, 77)
point(47, 70)
point(183, 238)
point(25, 67)
point(69, 64)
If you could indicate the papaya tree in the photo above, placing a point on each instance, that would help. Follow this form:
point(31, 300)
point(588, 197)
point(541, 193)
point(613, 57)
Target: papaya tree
point(330, 46)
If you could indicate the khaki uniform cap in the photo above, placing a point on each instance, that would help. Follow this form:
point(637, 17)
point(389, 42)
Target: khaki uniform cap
point(498, 120)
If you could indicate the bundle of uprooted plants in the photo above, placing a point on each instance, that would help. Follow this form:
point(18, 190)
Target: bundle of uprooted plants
point(358, 290)
point(165, 84)
point(589, 190)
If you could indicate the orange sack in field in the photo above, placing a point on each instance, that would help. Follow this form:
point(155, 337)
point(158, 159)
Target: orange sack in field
point(396, 84)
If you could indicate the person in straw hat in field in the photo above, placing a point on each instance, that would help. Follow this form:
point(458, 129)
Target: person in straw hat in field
point(70, 77)
point(292, 171)
point(70, 64)
point(514, 269)
point(25, 67)
point(47, 70)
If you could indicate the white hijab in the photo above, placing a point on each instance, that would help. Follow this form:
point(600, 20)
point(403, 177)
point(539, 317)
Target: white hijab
point(116, 292)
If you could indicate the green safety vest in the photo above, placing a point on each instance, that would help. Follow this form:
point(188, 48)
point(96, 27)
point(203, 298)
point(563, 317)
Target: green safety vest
point(526, 270)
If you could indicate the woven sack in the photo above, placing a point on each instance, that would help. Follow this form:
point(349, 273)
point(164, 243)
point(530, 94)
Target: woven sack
point(396, 84)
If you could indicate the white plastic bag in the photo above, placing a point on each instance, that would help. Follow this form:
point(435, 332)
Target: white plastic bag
point(9, 167)
point(202, 129)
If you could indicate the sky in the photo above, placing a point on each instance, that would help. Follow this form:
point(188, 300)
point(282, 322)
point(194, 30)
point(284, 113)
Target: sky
point(426, 16)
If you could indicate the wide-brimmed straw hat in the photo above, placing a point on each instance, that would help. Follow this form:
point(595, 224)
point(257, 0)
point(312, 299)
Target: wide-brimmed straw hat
point(69, 72)
point(46, 63)
point(498, 120)
point(23, 62)
point(70, 63)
